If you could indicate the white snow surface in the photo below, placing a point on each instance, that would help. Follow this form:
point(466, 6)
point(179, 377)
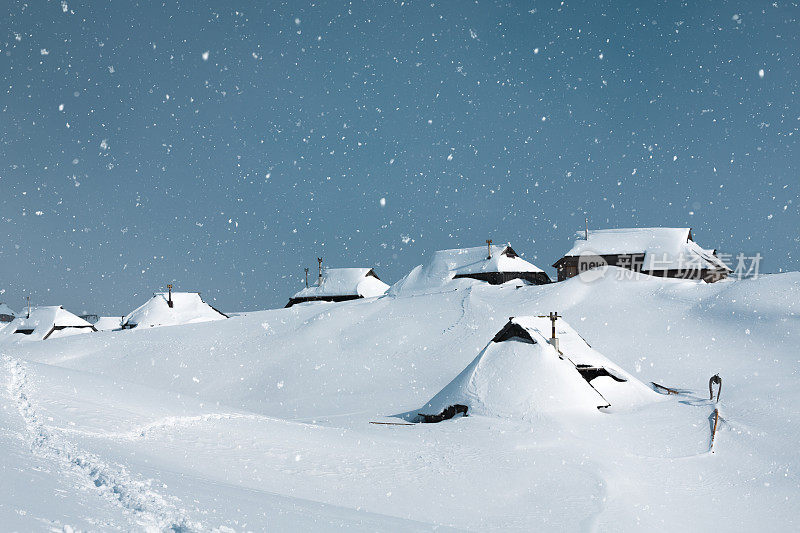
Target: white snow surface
point(446, 264)
point(42, 320)
point(261, 421)
point(664, 248)
point(108, 323)
point(187, 308)
point(345, 282)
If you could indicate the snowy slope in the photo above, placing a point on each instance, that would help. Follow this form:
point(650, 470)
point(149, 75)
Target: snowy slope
point(262, 420)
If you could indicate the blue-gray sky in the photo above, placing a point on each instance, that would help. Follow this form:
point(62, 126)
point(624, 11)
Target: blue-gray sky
point(224, 146)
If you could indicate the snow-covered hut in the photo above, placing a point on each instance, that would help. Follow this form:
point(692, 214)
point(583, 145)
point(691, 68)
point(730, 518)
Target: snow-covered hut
point(663, 252)
point(47, 322)
point(520, 374)
point(6, 313)
point(342, 284)
point(493, 264)
point(171, 309)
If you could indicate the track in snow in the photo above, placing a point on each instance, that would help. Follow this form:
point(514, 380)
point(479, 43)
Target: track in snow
point(137, 497)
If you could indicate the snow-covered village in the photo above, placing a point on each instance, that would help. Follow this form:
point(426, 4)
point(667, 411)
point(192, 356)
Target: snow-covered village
point(527, 266)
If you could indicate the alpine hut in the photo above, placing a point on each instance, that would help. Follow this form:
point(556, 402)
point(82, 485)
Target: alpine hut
point(171, 309)
point(6, 313)
point(46, 322)
point(523, 373)
point(341, 284)
point(663, 252)
point(492, 264)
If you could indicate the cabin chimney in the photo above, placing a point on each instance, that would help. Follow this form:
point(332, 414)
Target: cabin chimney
point(306, 278)
point(169, 299)
point(489, 247)
point(319, 279)
point(553, 340)
point(553, 316)
point(587, 228)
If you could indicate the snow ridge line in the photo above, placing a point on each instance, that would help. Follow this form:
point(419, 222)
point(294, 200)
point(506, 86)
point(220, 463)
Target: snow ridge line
point(150, 509)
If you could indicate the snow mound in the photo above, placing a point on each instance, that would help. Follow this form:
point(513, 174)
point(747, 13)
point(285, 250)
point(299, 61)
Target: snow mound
point(109, 323)
point(519, 374)
point(45, 322)
point(187, 308)
point(447, 265)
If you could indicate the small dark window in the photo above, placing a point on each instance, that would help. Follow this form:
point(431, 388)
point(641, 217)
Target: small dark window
point(24, 331)
point(590, 372)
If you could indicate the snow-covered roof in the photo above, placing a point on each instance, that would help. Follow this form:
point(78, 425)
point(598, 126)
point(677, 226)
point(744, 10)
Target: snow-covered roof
point(6, 310)
point(187, 308)
point(448, 264)
point(520, 374)
point(47, 322)
point(359, 282)
point(575, 348)
point(477, 260)
point(664, 248)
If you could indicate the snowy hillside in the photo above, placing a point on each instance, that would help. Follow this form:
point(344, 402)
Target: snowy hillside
point(263, 420)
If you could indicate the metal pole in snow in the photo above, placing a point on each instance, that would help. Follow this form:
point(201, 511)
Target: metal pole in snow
point(28, 298)
point(169, 300)
point(319, 260)
point(553, 316)
point(306, 278)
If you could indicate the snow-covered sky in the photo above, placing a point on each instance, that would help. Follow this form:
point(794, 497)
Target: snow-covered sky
point(223, 148)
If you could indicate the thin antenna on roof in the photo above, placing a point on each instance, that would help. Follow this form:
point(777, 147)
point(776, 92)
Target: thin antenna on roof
point(29, 306)
point(306, 278)
point(319, 260)
point(587, 228)
point(489, 247)
point(169, 300)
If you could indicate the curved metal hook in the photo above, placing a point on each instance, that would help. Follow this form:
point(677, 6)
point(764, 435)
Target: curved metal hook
point(715, 380)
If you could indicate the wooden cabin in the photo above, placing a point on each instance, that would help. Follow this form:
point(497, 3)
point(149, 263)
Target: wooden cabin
point(6, 313)
point(48, 322)
point(340, 285)
point(172, 309)
point(662, 252)
point(494, 264)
